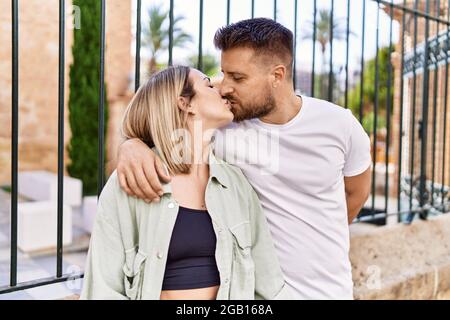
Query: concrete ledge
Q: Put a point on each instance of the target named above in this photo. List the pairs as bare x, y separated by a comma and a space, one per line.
37, 225
401, 261
43, 186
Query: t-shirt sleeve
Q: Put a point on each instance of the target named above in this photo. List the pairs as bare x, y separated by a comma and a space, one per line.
357, 154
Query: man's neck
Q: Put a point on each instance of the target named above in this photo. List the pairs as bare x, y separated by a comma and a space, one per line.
287, 107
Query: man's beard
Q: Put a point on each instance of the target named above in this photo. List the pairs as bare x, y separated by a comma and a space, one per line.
253, 110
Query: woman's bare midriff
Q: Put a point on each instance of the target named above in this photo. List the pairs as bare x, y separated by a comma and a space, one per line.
209, 293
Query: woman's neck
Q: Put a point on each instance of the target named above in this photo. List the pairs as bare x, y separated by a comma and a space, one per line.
189, 189
200, 147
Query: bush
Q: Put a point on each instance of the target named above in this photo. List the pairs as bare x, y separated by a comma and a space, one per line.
84, 97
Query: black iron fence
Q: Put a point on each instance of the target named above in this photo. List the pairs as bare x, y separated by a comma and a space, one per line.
404, 86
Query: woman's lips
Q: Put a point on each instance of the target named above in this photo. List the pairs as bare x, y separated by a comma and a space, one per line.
228, 104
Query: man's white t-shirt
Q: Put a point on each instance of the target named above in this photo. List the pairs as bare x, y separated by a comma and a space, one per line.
298, 170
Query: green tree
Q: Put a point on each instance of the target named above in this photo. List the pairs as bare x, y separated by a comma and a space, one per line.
156, 34
210, 64
369, 120
84, 97
370, 88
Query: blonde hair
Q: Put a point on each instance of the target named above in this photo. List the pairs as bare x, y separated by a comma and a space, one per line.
153, 116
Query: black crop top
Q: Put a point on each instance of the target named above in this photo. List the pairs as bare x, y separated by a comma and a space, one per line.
191, 262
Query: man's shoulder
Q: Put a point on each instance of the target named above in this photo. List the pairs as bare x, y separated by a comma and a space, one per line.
325, 107
328, 115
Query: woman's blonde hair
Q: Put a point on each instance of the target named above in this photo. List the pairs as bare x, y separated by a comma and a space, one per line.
153, 116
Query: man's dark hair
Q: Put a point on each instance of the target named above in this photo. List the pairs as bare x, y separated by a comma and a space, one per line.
265, 36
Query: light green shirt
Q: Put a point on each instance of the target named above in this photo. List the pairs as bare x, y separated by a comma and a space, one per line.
130, 242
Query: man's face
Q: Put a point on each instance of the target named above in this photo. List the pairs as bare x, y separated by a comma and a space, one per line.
246, 83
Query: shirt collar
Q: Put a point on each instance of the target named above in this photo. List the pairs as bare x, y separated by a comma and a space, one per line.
216, 170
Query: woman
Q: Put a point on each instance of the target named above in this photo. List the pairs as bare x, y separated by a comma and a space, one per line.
207, 237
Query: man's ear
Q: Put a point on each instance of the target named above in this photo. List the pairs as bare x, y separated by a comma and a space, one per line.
279, 74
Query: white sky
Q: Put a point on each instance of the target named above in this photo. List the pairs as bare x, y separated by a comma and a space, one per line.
215, 17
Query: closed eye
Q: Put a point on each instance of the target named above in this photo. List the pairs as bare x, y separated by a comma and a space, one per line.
237, 77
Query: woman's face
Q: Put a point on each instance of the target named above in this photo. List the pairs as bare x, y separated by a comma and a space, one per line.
207, 104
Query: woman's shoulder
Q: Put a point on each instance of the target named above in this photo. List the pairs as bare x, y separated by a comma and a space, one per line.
113, 195
116, 207
111, 187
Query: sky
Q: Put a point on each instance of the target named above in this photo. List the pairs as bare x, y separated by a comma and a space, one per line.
215, 17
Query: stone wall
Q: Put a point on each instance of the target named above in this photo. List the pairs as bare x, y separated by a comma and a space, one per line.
38, 74
402, 261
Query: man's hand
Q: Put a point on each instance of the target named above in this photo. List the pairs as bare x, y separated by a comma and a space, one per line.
138, 169
357, 190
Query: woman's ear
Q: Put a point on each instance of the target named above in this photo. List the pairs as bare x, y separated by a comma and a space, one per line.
185, 106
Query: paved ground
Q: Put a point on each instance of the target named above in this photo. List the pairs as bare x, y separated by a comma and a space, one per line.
32, 266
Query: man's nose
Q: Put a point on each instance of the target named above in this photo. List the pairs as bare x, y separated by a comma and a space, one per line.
225, 90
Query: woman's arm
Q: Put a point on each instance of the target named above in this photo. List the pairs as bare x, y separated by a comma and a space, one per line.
104, 276
269, 279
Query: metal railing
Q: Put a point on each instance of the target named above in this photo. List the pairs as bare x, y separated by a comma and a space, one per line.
417, 61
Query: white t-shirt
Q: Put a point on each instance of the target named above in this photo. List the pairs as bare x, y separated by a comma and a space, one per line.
298, 170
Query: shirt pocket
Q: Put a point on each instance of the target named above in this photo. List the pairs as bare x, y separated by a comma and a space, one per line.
133, 270
242, 283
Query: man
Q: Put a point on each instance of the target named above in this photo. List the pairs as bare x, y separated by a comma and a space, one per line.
308, 160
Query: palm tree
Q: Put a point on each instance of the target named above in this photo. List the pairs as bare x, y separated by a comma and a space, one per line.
156, 34
323, 37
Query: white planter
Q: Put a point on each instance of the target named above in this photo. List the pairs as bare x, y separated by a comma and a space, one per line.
43, 186
89, 212
37, 225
